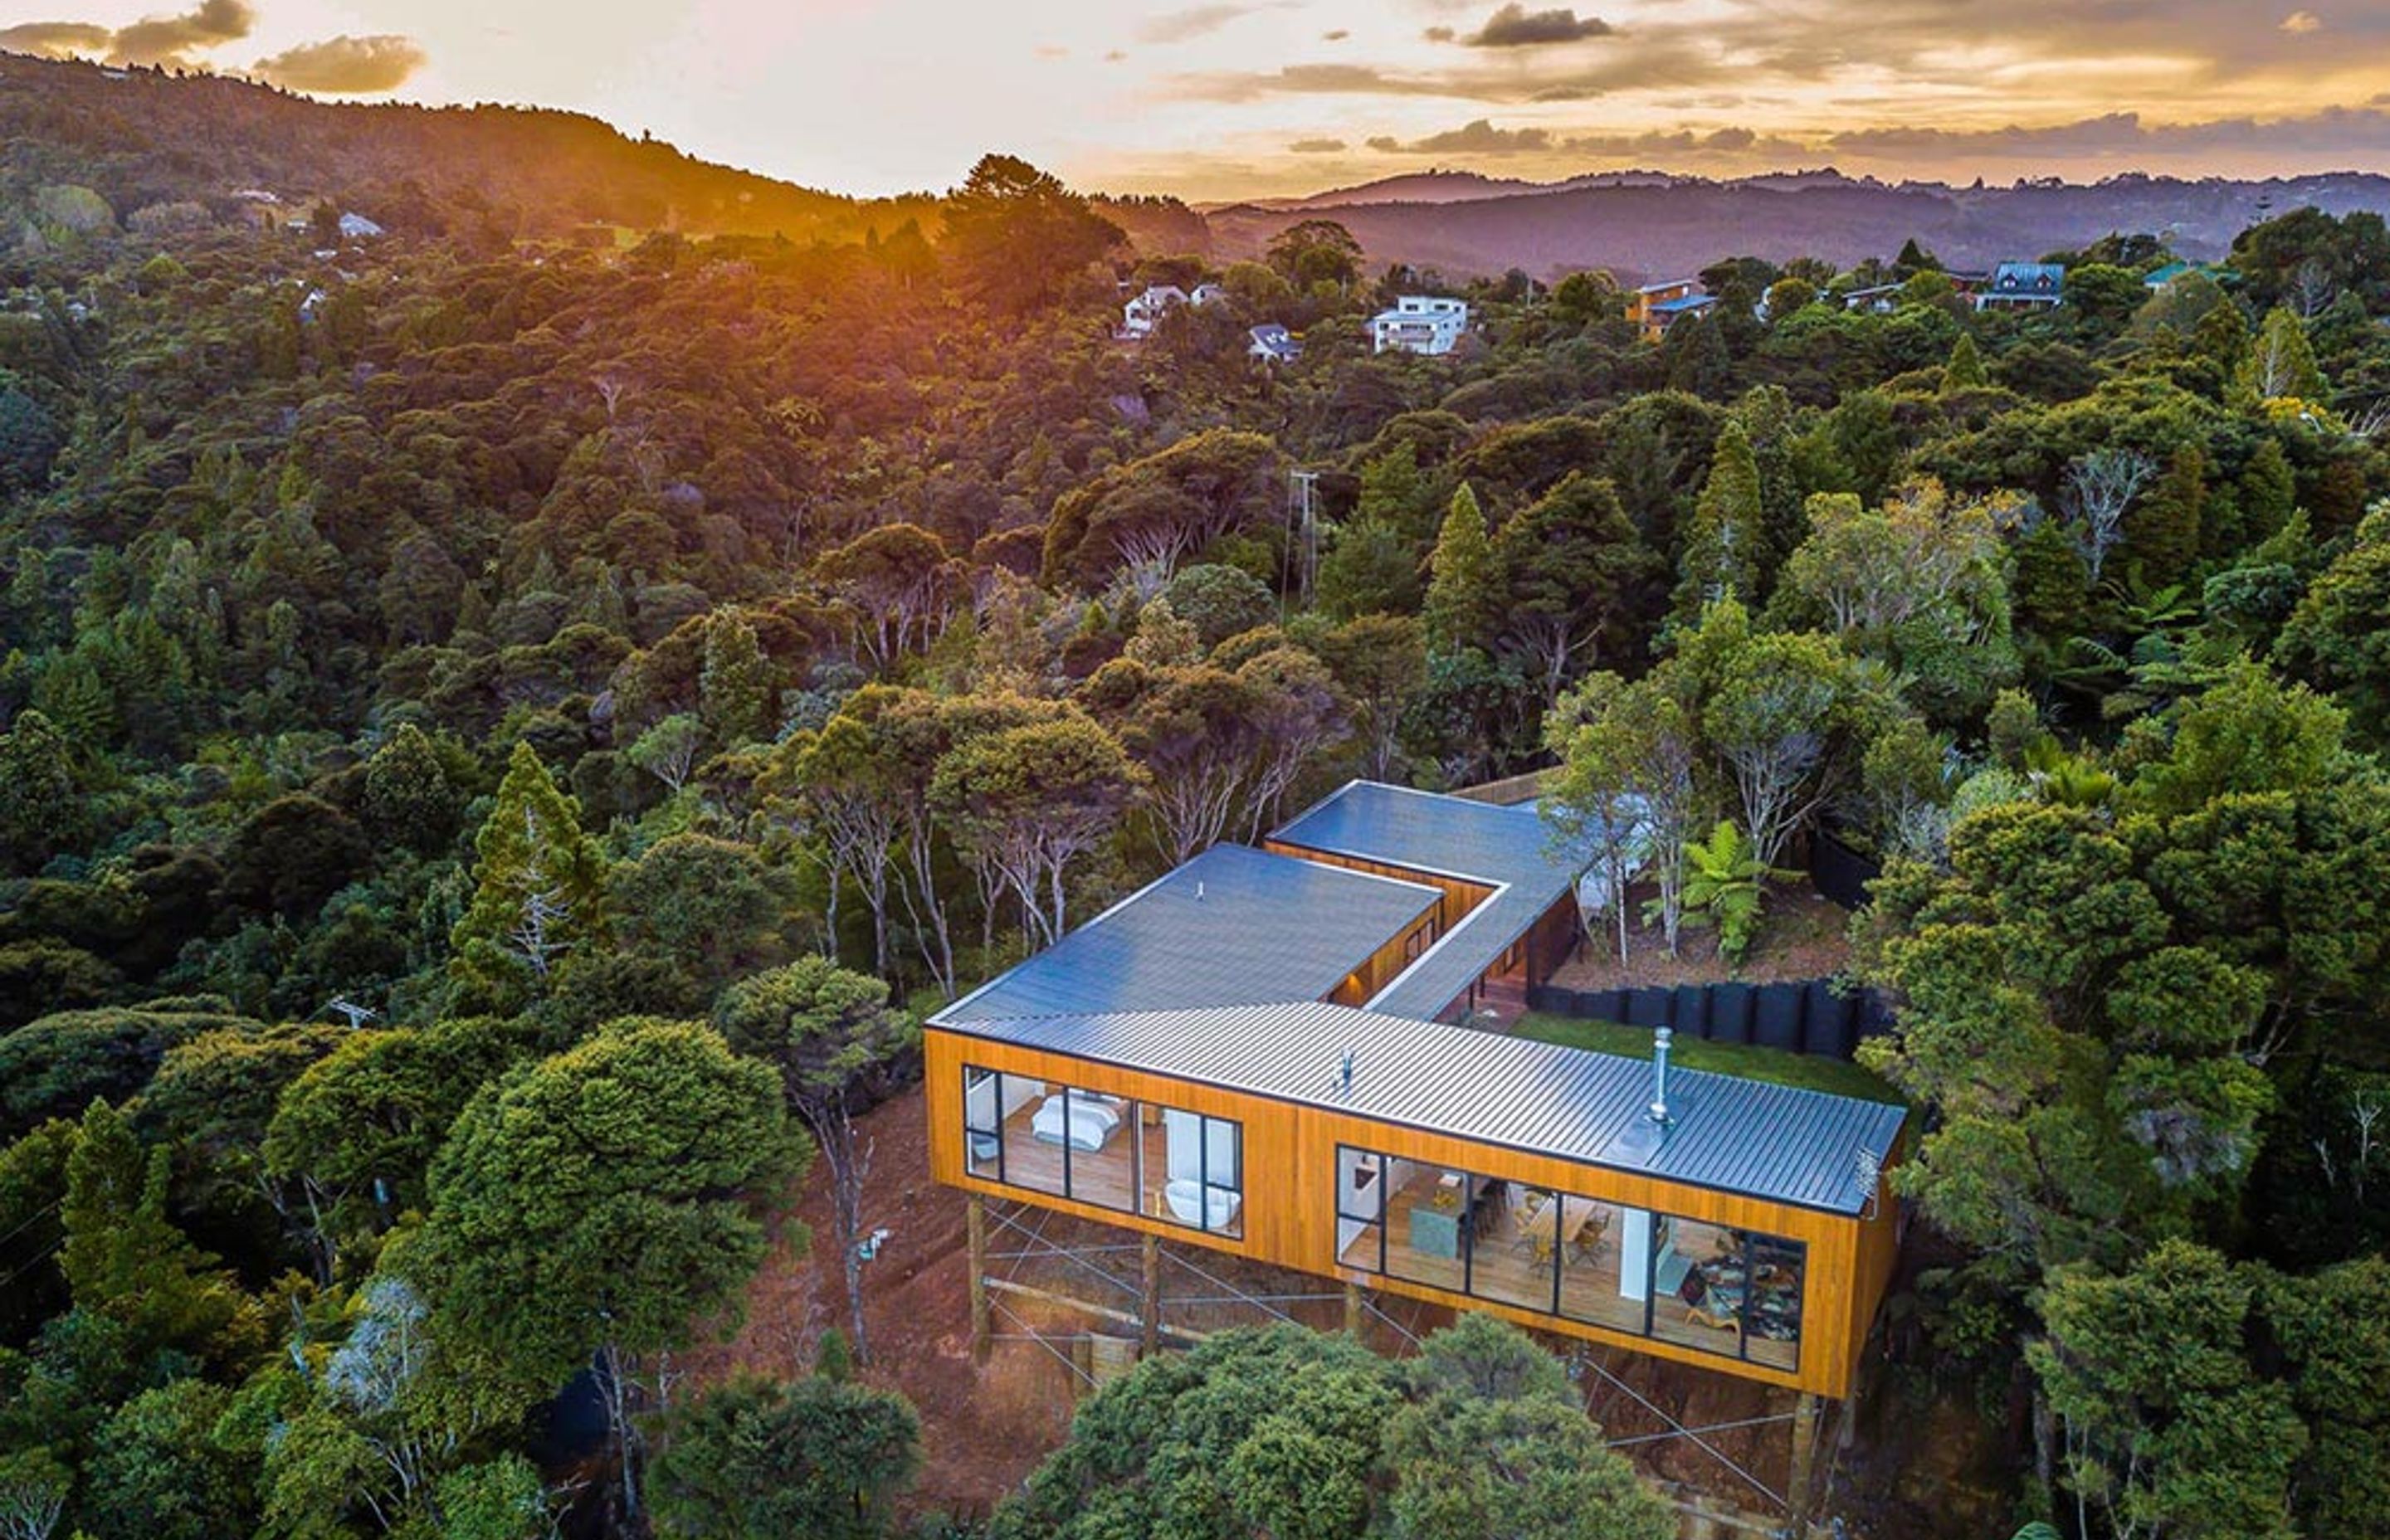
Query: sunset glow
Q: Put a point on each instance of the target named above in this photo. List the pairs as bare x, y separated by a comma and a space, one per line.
1244, 97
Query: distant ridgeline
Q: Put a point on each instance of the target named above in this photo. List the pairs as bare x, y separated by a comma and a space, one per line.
147, 140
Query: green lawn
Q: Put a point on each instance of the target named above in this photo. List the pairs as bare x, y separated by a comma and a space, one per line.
1773, 1065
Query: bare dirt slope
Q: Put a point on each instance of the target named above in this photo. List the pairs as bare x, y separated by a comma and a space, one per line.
985, 1427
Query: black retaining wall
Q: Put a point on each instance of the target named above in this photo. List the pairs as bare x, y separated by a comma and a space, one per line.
1805, 1017
1840, 872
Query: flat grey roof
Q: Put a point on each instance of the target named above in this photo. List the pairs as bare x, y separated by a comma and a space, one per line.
1505, 847
1234, 925
1731, 1134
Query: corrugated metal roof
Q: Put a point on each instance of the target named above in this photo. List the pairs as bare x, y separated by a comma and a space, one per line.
1773, 1142
1234, 925
1506, 847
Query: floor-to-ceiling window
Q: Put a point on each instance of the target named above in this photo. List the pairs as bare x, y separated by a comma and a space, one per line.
1564, 1253
1136, 1157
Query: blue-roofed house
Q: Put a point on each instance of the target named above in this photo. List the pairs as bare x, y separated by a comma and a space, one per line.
1272, 343
1254, 1053
2022, 286
1656, 307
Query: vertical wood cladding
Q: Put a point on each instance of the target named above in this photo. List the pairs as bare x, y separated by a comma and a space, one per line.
1289, 1214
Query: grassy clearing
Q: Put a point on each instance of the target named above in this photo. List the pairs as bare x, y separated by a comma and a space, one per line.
1774, 1065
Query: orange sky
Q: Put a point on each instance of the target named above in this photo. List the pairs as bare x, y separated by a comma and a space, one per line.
1238, 97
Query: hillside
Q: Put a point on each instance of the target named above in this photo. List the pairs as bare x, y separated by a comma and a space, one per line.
497, 732
1467, 225
144, 138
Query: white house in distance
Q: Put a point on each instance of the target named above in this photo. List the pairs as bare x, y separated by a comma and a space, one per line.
2022, 286
1142, 314
1274, 344
1419, 323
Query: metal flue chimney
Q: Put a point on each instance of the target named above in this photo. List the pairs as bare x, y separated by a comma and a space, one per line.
1660, 1076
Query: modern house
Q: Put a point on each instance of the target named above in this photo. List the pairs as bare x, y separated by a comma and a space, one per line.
2022, 286
1272, 343
2158, 278
1206, 293
1257, 1054
1419, 323
1879, 299
1142, 314
1656, 307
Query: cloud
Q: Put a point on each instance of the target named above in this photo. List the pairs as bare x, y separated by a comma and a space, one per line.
345, 66
1192, 22
56, 39
173, 39
1316, 146
152, 40
1339, 35
2123, 136
1514, 26
1306, 79
1730, 144
2300, 22
1476, 138
1439, 35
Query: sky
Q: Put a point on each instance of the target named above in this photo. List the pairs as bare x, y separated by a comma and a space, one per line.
1221, 99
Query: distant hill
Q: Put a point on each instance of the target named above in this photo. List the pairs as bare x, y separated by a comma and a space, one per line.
144, 137
75, 136
1643, 225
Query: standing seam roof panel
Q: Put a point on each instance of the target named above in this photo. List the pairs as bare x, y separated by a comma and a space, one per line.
1773, 1142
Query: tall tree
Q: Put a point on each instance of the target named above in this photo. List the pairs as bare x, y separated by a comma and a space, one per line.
1627, 798
539, 886
1726, 543
42, 810
758, 1460
603, 1202
2280, 363
2169, 1430
737, 696
834, 1038
1028, 803
1017, 235
124, 1261
1460, 578
1565, 576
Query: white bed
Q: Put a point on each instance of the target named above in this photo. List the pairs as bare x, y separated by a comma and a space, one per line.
1093, 1121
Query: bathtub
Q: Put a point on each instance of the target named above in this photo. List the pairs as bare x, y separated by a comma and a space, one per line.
1186, 1200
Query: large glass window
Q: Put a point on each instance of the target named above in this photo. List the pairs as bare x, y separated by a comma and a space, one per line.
1091, 1148
1562, 1254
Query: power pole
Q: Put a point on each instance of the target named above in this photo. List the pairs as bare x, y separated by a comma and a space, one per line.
1306, 553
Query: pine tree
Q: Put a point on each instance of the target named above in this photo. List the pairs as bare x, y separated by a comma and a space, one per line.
124, 1260
2268, 494
2162, 530
1394, 493
2282, 363
1965, 370
2223, 335
1723, 545
539, 889
734, 685
1460, 578
40, 809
